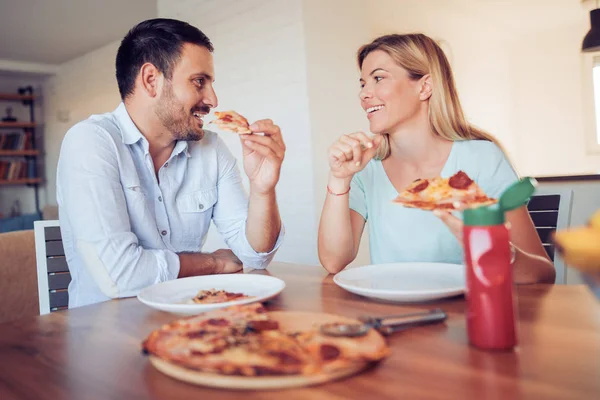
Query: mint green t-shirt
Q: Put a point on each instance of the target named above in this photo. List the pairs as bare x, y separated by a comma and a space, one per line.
400, 234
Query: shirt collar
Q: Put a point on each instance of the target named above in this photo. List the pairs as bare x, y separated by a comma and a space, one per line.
130, 133
181, 146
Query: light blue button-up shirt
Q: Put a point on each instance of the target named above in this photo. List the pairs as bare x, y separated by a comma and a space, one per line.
122, 228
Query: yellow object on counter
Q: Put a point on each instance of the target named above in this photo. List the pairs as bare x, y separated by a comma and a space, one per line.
580, 247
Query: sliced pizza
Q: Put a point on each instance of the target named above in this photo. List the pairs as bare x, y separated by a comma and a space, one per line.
454, 193
212, 296
232, 121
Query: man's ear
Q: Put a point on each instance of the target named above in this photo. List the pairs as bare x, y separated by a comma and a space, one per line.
426, 86
150, 79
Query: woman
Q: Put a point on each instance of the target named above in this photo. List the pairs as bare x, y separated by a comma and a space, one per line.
411, 102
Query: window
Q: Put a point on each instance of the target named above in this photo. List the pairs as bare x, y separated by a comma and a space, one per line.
596, 80
591, 101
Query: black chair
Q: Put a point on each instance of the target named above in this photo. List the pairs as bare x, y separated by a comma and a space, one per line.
53, 272
551, 210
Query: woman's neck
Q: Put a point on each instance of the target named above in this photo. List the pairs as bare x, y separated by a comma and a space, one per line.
416, 145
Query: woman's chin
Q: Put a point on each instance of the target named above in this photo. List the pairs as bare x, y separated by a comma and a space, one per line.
377, 129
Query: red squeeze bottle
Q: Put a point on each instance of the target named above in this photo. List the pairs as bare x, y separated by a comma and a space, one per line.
491, 316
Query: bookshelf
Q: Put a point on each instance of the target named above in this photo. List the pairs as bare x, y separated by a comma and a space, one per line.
25, 181
17, 125
19, 153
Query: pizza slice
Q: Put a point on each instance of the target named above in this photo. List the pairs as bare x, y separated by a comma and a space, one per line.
334, 353
212, 296
454, 193
232, 121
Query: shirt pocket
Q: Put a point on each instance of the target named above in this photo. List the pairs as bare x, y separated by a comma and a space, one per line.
195, 210
199, 201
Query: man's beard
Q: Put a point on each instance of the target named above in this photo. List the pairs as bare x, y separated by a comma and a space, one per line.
175, 118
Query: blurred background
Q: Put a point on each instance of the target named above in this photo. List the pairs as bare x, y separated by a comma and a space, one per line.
518, 64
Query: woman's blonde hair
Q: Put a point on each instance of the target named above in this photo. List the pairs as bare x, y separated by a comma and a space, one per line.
420, 55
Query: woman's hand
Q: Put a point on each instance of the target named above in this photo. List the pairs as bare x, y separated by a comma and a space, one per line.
351, 153
453, 223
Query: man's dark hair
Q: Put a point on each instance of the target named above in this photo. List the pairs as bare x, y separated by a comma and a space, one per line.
157, 41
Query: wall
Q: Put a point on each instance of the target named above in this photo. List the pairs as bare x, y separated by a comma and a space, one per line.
333, 85
548, 103
260, 67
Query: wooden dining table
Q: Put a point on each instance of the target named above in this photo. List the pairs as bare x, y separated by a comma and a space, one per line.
94, 352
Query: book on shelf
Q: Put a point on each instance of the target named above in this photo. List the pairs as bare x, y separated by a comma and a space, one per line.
16, 141
17, 169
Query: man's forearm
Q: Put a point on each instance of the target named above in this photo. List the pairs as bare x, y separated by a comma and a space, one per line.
193, 264
264, 223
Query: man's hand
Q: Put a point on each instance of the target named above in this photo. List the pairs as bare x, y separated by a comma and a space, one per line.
263, 156
226, 262
222, 261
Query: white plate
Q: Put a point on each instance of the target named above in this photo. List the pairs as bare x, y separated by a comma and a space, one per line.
171, 296
404, 282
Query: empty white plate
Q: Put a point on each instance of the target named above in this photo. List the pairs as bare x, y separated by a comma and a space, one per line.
404, 282
172, 296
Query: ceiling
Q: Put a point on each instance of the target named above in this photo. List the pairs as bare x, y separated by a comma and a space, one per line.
56, 31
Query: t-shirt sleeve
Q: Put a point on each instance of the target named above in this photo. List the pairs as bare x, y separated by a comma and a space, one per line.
358, 198
497, 173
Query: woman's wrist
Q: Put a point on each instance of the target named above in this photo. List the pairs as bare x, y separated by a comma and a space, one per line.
338, 185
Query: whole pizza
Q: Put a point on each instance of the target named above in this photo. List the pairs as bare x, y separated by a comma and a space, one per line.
247, 341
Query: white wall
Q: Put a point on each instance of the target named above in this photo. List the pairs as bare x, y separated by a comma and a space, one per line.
333, 85
548, 103
260, 68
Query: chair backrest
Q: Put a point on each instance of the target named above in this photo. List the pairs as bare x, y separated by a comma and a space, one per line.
52, 271
551, 210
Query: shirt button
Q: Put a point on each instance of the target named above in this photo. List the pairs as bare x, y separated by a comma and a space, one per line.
166, 165
160, 198
163, 233
201, 206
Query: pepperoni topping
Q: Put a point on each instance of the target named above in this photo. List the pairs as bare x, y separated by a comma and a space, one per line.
259, 326
460, 180
329, 352
420, 187
226, 118
218, 322
196, 334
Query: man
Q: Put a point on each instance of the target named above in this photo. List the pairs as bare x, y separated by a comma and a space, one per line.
138, 187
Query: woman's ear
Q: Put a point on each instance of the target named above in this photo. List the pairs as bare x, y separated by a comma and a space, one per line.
426, 87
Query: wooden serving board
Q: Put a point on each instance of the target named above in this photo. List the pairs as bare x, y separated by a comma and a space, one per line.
288, 321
